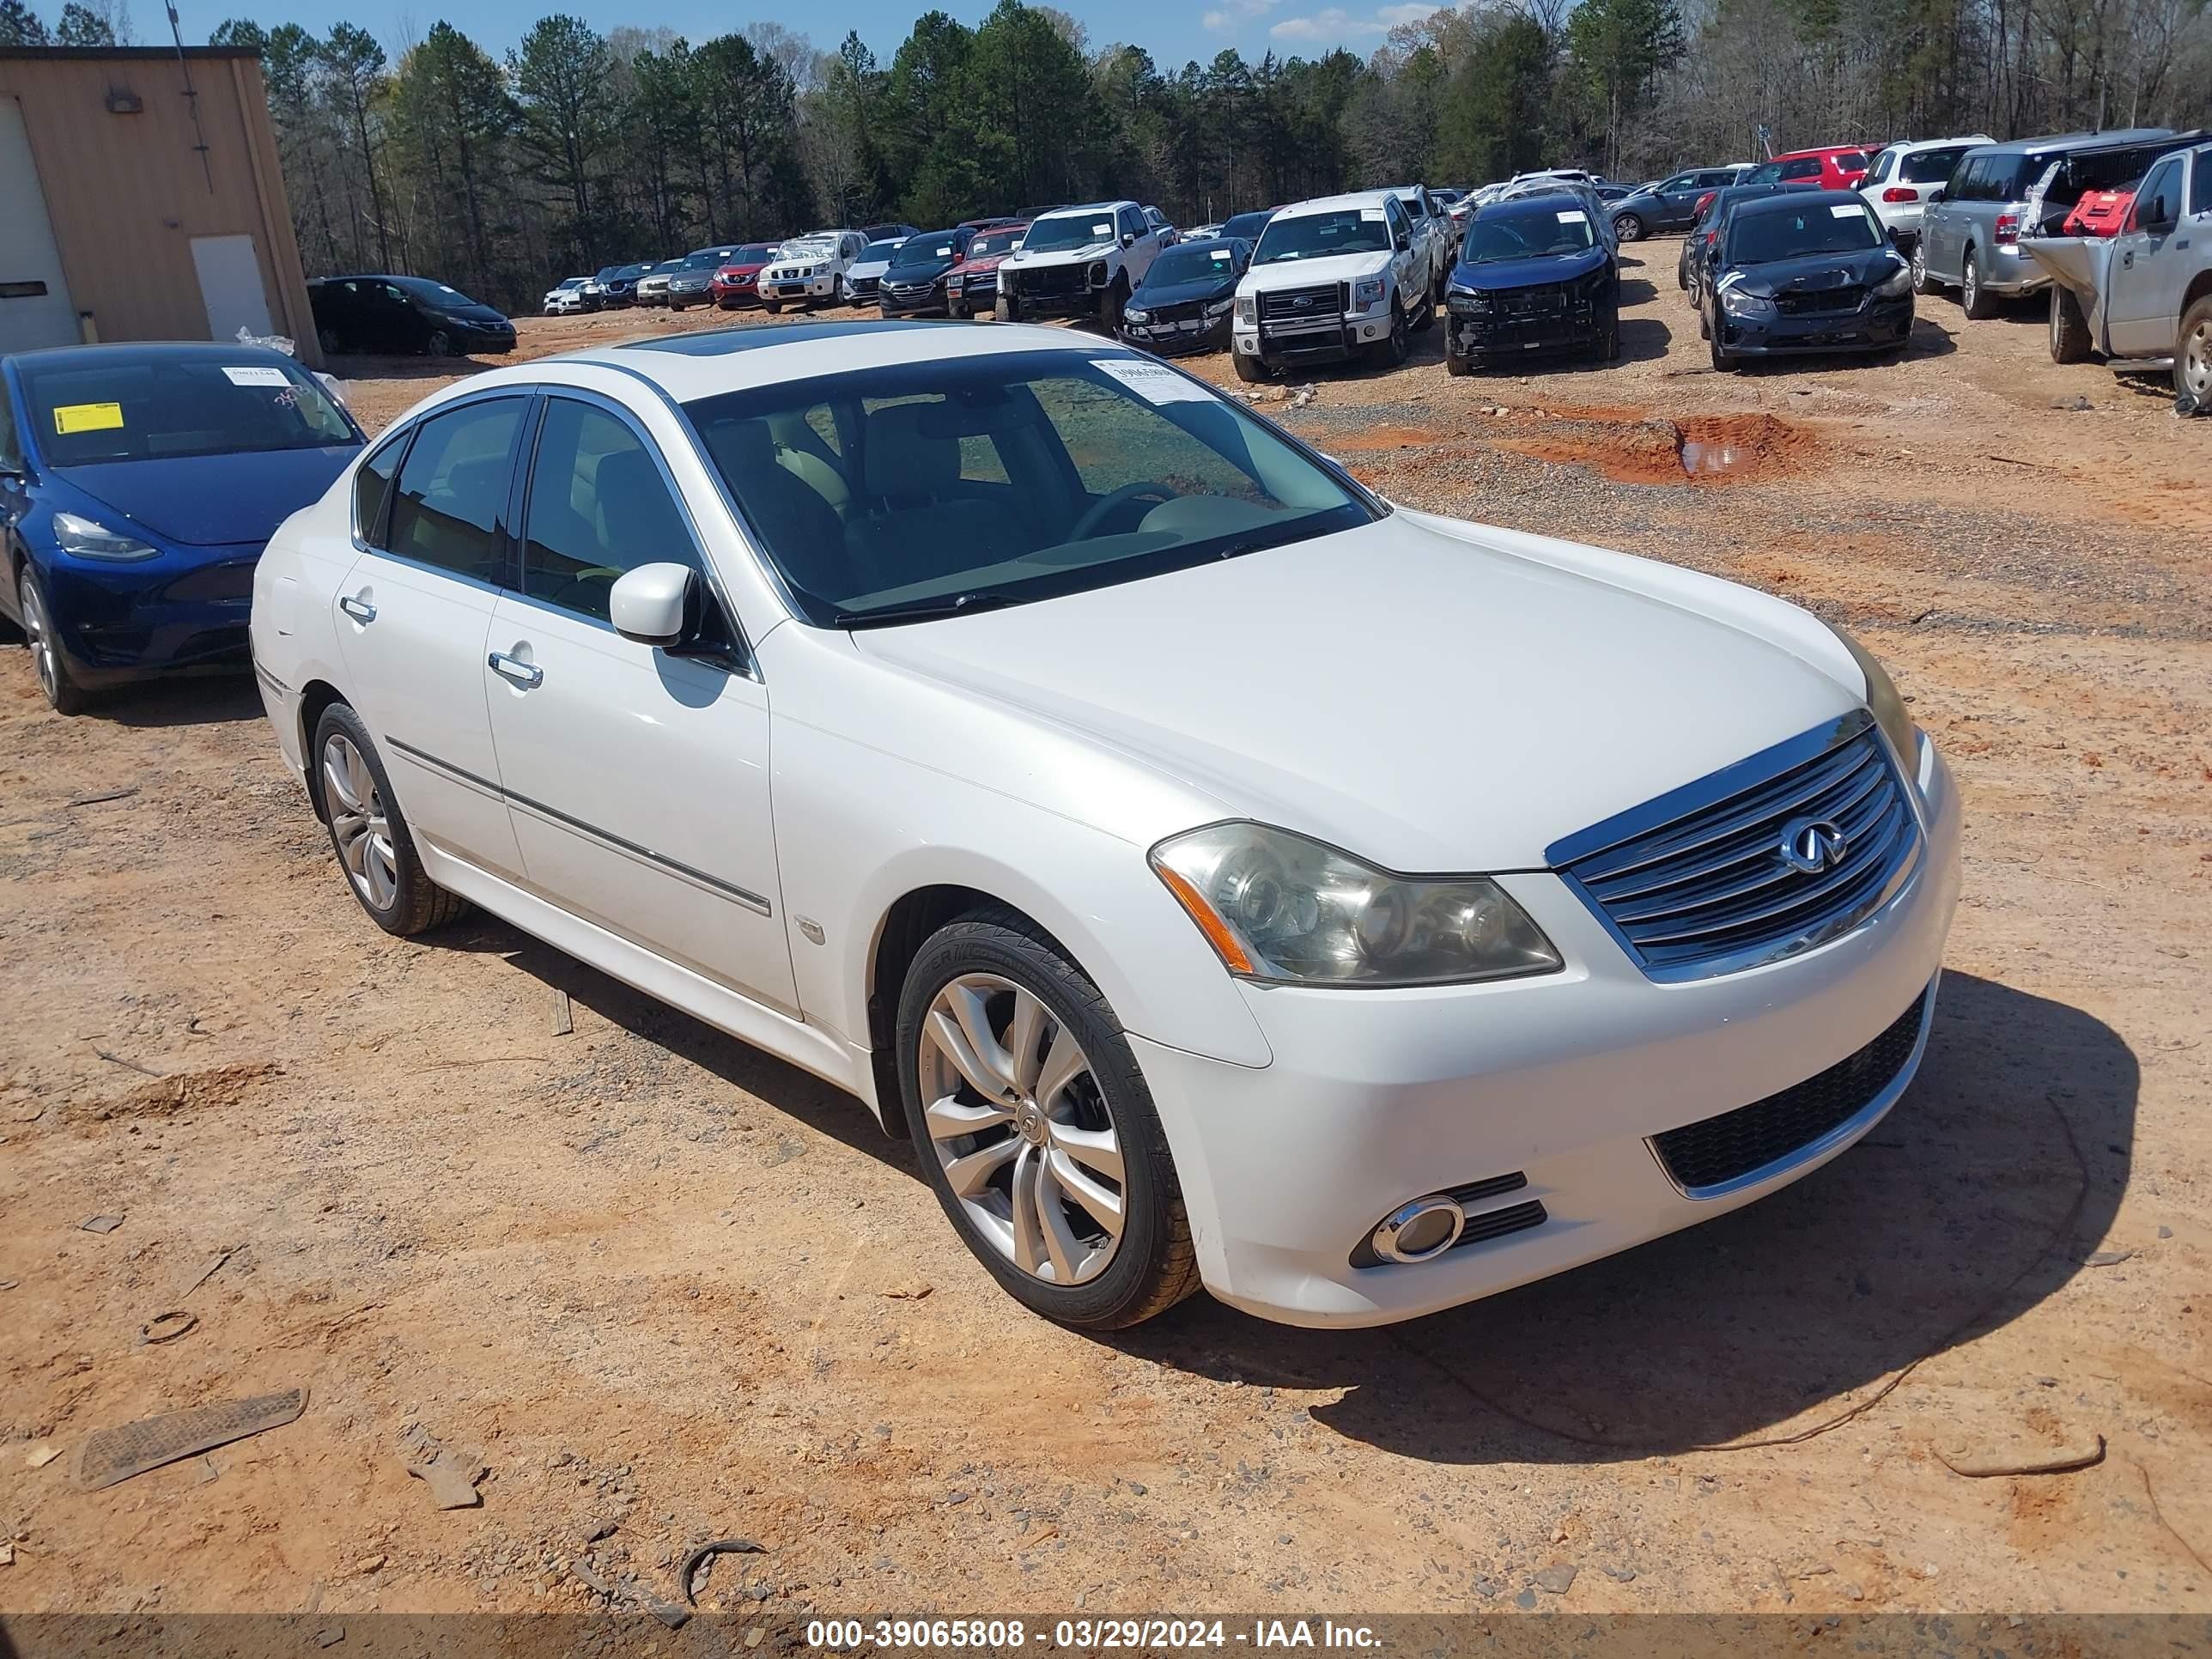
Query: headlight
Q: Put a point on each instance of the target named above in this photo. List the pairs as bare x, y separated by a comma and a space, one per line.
1247, 310
1899, 284
1219, 307
1277, 907
1366, 293
91, 540
1137, 314
1883, 701
1737, 303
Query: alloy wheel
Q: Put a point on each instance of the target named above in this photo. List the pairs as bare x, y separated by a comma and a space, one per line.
39, 635
1970, 283
2197, 359
1022, 1129
359, 822
1920, 267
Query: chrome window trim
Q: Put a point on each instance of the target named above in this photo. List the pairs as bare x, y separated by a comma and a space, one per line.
1842, 1135
1714, 787
646, 855
742, 664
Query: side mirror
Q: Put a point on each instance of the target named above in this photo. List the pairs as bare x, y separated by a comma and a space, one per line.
655, 604
1129, 240
1938, 194
2155, 217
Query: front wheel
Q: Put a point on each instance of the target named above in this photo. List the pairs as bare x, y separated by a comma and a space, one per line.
440, 344
1921, 284
774, 307
1043, 1146
2069, 328
1395, 347
48, 660
2192, 355
1249, 368
1458, 367
368, 832
1627, 228
1724, 362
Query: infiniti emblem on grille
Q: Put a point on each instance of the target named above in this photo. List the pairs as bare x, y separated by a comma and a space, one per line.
1812, 845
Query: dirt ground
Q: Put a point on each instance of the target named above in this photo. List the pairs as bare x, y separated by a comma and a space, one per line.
666, 1289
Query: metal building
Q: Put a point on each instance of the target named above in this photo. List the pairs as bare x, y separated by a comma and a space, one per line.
141, 198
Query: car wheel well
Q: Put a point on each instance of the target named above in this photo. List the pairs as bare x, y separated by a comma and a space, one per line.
2199, 289
314, 697
907, 927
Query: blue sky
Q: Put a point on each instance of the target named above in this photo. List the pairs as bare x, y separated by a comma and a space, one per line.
1173, 32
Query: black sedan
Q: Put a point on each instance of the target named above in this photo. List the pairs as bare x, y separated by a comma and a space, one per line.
1534, 276
1187, 297
403, 314
1698, 246
1805, 271
914, 282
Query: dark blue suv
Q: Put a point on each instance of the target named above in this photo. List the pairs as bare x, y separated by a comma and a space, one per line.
1534, 276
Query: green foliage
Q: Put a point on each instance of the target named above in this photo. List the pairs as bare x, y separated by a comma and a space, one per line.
20, 26
80, 26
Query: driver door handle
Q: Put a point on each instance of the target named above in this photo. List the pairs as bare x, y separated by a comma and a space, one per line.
360, 610
526, 674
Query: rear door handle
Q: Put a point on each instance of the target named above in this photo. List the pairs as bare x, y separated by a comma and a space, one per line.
360, 610
524, 674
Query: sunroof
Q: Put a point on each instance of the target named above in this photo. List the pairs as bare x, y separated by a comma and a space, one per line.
720, 342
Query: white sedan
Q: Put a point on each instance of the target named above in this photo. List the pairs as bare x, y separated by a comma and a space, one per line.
1226, 877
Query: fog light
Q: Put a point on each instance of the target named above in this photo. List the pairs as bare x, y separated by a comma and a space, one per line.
1416, 1231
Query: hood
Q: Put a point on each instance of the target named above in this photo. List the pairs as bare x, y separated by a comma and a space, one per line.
1548, 698
1174, 294
869, 267
1305, 273
913, 275
982, 262
1525, 273
1023, 258
1816, 272
204, 501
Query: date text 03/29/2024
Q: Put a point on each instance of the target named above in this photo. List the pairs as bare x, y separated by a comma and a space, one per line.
1087, 1635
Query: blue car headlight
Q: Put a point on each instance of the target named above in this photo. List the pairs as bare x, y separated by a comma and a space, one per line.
89, 539
1898, 284
1737, 303
1136, 315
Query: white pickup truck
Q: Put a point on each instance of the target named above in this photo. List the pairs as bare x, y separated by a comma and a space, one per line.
1080, 262
1332, 279
2147, 292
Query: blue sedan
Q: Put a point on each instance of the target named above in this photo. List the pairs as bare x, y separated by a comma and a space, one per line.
138, 484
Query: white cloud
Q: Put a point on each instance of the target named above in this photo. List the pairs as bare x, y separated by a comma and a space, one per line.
1224, 19
1335, 24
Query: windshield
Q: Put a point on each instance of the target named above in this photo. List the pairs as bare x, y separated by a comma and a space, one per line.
1070, 230
879, 253
753, 254
1798, 232
436, 293
158, 409
808, 247
927, 250
1247, 226
1318, 235
706, 261
905, 490
1526, 235
1192, 264
992, 243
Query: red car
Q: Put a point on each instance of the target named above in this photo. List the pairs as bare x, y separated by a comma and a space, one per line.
1828, 167
972, 286
735, 278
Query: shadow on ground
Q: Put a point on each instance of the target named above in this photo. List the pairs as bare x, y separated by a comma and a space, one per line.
212, 700
1905, 1245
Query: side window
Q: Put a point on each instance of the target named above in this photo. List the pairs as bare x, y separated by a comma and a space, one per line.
1808, 168
1395, 210
1879, 171
1133, 222
598, 507
11, 458
2164, 179
1680, 181
371, 484
1967, 181
2200, 187
451, 493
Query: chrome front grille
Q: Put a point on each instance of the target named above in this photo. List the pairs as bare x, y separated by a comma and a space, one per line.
1773, 856
1322, 304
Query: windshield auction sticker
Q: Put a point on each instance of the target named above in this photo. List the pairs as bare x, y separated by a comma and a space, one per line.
255, 376
1156, 383
86, 417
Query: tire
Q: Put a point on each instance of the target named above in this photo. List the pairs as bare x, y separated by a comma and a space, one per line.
1681, 276
1973, 299
1704, 328
1249, 368
440, 344
331, 344
1428, 316
1002, 310
1115, 302
1921, 282
2070, 327
674, 309
2192, 353
1724, 362
1393, 348
991, 966
397, 897
1456, 366
49, 661
1609, 349
774, 307
1627, 228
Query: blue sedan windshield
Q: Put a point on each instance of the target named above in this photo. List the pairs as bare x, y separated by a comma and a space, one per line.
154, 409
1527, 235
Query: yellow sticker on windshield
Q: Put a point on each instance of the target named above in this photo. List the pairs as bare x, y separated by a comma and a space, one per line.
86, 417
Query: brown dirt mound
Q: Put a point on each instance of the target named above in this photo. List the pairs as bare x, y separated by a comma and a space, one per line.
217, 1089
1701, 449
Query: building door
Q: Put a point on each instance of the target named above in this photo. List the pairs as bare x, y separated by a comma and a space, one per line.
34, 302
230, 286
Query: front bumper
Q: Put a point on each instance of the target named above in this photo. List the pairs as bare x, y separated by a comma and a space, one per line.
1335, 342
974, 293
786, 290
1479, 335
119, 621
732, 294
1172, 339
929, 303
1882, 326
1376, 1097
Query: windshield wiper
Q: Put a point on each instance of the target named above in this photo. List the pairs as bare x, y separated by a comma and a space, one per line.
955, 604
